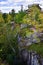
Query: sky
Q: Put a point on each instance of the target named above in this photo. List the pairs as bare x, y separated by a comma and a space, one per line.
7, 5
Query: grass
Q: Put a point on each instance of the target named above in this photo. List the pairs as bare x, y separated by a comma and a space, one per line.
36, 47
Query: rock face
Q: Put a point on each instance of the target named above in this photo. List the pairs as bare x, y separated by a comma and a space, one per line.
33, 38
30, 58
40, 35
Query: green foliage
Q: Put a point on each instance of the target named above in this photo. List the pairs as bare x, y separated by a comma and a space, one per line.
12, 13
34, 17
36, 47
19, 17
8, 42
1, 18
5, 17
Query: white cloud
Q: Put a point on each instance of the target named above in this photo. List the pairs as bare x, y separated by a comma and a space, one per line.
13, 4
8, 9
41, 4
14, 1
3, 2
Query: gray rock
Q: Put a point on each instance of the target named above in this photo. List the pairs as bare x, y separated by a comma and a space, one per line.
30, 58
23, 26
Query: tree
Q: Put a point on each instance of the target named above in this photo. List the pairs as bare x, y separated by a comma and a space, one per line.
5, 17
1, 18
12, 13
8, 42
19, 16
9, 18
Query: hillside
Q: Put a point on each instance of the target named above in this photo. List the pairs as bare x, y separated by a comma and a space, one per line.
22, 30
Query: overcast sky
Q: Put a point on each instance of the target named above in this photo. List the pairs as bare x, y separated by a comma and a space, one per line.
8, 5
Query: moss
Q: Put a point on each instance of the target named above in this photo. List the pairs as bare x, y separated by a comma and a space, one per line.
37, 47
